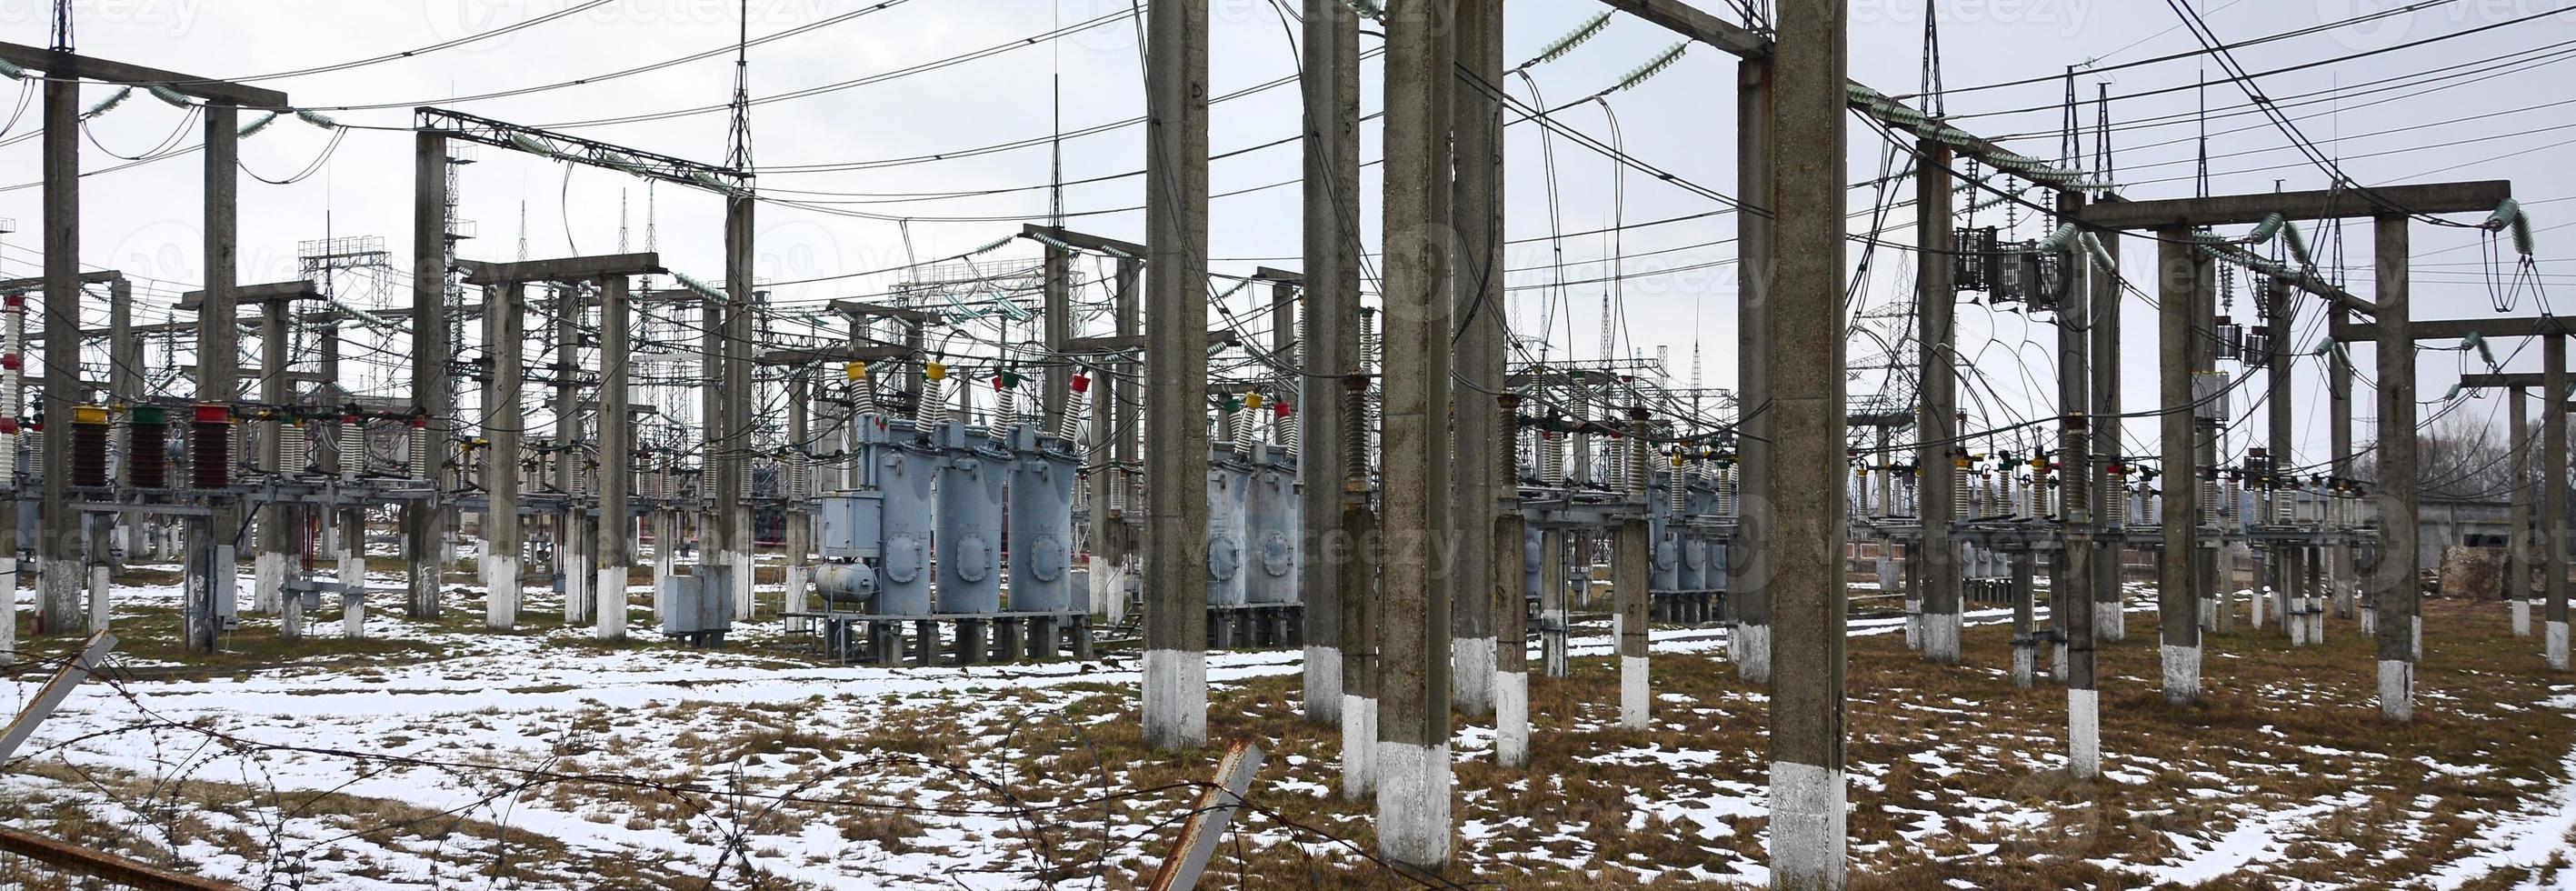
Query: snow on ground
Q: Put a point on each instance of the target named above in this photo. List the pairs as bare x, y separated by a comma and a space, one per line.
683, 763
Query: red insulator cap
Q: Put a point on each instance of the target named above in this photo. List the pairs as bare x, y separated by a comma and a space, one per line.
214, 414
1082, 383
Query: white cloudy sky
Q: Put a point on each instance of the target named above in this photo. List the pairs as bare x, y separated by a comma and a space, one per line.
2498, 117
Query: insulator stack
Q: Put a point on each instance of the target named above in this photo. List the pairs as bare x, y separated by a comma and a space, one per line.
1678, 489
2208, 501
1006, 410
1551, 459
36, 453
1369, 344
147, 431
210, 447
1959, 489
1726, 505
418, 450
800, 476
290, 447
2076, 499
1356, 424
13, 338
931, 409
2235, 496
1117, 489
1245, 419
1617, 478
1078, 392
1998, 492
1291, 437
1640, 470
353, 446
89, 445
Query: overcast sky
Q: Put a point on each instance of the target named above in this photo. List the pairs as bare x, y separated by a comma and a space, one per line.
2499, 116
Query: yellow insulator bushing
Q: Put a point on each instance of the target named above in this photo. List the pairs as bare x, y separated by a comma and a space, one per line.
935, 371
854, 370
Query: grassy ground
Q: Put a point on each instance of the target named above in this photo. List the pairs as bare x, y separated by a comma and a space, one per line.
1957, 777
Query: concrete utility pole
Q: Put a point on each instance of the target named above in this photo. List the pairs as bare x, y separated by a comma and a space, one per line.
2178, 279
1331, 87
733, 517
1631, 547
58, 538
570, 558
2110, 622
2518, 549
431, 352
2395, 587
1806, 523
800, 533
504, 424
1176, 438
1413, 769
1483, 449
1511, 641
2553, 498
1937, 455
2284, 559
218, 365
281, 525
1748, 553
2339, 373
2072, 600
616, 459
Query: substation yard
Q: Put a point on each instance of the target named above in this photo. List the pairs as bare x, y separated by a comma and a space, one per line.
439, 755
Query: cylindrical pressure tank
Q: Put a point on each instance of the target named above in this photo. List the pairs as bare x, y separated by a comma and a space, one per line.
846, 585
971, 477
1270, 527
1041, 521
1229, 482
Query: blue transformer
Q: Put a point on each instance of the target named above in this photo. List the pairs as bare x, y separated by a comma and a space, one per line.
902, 477
971, 478
1228, 485
1041, 522
1270, 526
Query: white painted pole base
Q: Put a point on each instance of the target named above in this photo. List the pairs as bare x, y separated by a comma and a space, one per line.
799, 579
9, 598
1753, 653
1511, 718
1471, 667
2417, 639
2298, 625
1807, 826
1324, 684
1359, 747
1413, 794
612, 603
1941, 638
227, 580
576, 589
1175, 699
2057, 662
2521, 617
2084, 733
2397, 689
268, 581
353, 616
2262, 605
2110, 622
290, 616
744, 603
2209, 613
2369, 622
2555, 646
501, 603
2182, 674
2025, 669
1116, 592
1097, 577
1914, 624
98, 603
1636, 702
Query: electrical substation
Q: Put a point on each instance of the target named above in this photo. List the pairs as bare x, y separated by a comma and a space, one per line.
2035, 521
